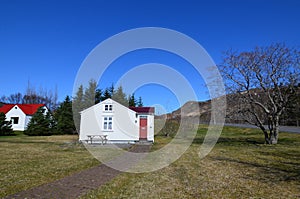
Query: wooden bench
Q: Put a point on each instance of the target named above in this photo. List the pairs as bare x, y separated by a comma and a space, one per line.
103, 138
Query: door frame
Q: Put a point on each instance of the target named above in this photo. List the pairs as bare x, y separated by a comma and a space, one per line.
143, 135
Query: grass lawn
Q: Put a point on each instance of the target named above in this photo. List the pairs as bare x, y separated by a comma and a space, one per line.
239, 166
30, 161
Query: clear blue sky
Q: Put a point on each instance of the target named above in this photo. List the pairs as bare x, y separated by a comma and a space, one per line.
45, 42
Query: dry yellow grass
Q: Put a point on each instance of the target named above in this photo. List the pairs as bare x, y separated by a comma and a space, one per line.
31, 161
238, 167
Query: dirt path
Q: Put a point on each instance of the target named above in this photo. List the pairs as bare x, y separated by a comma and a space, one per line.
77, 184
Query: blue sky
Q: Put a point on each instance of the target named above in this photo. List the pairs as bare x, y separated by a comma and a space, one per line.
45, 42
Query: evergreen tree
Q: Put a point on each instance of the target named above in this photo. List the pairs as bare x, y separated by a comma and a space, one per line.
52, 122
77, 106
106, 94
111, 90
98, 96
132, 100
40, 124
64, 117
90, 94
5, 126
140, 102
84, 98
120, 96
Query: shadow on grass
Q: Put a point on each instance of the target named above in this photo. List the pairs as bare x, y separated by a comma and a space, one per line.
271, 163
30, 141
232, 141
24, 142
285, 171
292, 155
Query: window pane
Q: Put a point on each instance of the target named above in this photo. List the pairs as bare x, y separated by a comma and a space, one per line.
14, 120
107, 123
110, 107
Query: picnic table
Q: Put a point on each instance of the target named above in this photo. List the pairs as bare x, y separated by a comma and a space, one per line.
103, 138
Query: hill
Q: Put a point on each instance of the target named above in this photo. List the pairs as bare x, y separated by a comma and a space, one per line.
203, 110
191, 109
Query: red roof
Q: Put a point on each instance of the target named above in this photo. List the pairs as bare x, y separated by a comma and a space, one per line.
143, 109
6, 107
28, 109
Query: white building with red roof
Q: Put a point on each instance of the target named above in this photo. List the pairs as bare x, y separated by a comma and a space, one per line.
20, 114
117, 123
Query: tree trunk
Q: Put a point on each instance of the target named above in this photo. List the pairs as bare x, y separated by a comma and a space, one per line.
273, 138
267, 140
274, 131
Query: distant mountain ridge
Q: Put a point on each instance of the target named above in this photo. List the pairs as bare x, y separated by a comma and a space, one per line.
191, 109
202, 110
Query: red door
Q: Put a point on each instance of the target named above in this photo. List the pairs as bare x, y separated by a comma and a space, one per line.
143, 128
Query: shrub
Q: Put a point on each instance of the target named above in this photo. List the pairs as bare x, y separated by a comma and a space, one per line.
170, 128
40, 124
5, 126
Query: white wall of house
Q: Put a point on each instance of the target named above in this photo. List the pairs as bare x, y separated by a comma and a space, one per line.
150, 127
27, 120
23, 119
16, 112
125, 122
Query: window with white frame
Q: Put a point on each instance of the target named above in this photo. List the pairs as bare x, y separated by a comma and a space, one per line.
108, 107
107, 123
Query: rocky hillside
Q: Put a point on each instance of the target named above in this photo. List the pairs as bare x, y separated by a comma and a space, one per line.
191, 109
203, 111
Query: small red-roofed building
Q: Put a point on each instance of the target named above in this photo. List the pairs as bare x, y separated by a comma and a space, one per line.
20, 114
117, 123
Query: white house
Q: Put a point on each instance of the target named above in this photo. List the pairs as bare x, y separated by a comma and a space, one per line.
117, 122
20, 114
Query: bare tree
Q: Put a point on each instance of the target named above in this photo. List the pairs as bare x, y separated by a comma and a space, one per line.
263, 81
15, 98
42, 96
12, 99
3, 99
